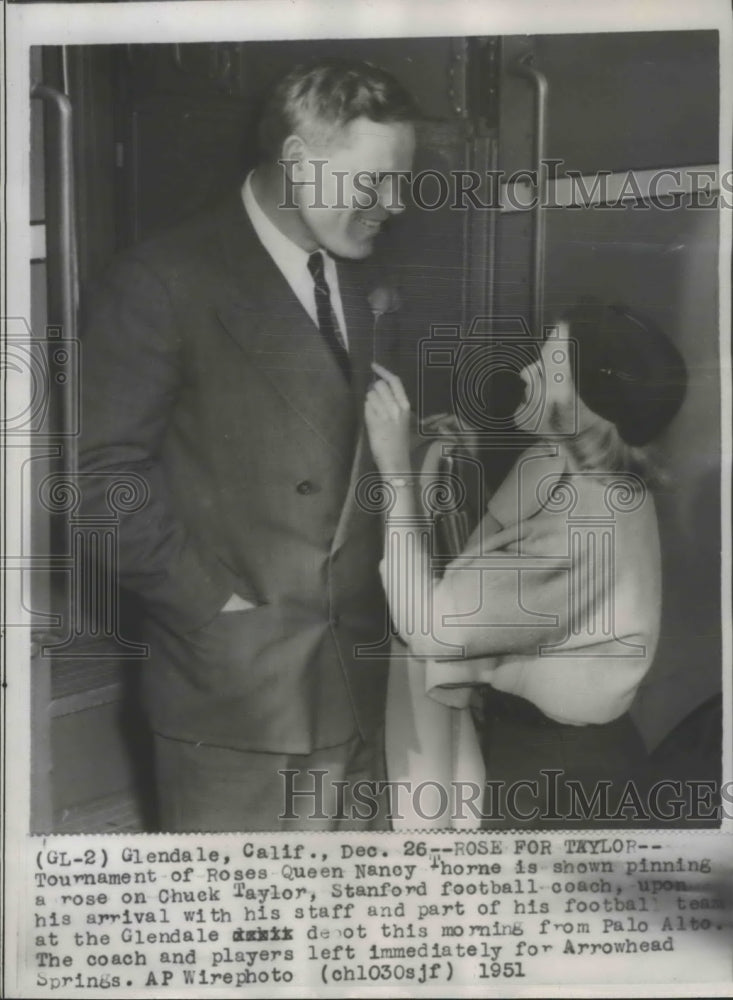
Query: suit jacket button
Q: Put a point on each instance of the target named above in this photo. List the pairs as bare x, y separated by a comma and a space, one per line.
304, 487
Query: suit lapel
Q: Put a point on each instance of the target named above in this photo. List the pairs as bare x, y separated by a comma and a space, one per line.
261, 313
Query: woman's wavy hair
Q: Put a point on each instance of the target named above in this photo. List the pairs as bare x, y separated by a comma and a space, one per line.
598, 447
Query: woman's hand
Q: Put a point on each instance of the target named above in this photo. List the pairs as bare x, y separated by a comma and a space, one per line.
387, 418
448, 425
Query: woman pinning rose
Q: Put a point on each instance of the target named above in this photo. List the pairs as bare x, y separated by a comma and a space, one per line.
509, 691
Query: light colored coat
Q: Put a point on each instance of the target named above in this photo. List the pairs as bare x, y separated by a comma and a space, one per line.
555, 598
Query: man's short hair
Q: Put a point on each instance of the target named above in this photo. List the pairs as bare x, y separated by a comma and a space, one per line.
317, 99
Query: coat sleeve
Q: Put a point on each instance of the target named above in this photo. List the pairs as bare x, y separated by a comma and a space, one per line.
492, 605
593, 688
518, 589
594, 678
131, 374
494, 599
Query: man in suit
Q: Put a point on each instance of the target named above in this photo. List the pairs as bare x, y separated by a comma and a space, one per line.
225, 365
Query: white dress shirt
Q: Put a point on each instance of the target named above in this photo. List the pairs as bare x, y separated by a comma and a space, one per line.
292, 261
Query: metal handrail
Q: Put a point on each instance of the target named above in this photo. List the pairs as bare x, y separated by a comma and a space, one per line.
524, 68
68, 247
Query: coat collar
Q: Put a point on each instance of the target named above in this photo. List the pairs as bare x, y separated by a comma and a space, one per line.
524, 491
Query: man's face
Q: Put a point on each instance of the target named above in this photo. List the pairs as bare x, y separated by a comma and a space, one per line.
345, 199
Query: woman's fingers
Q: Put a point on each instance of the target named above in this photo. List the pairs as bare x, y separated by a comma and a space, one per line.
377, 405
375, 414
438, 422
387, 398
383, 399
383, 372
394, 383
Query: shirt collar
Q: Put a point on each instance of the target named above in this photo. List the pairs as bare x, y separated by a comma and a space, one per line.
281, 248
292, 261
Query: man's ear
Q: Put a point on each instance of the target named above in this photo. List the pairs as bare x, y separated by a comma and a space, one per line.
294, 157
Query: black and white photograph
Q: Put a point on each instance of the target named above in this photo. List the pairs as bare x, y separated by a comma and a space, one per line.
372, 457
255, 277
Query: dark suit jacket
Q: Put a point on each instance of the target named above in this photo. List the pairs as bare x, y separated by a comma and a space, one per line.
204, 376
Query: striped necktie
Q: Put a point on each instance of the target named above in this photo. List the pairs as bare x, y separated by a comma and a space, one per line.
326, 322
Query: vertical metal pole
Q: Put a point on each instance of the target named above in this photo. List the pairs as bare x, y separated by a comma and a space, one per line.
525, 68
69, 267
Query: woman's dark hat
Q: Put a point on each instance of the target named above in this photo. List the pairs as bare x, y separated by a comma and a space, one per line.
626, 369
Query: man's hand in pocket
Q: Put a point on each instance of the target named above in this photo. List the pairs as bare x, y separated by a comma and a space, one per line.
237, 603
